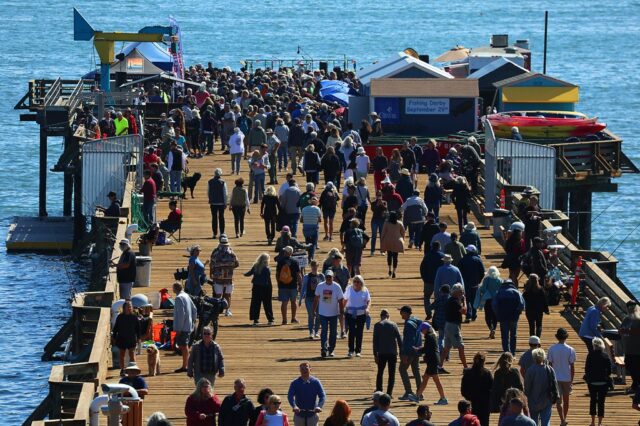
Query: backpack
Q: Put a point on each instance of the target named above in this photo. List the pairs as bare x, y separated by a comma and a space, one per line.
356, 238
526, 263
304, 200
285, 276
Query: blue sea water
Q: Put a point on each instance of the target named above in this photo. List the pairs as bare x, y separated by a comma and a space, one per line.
592, 45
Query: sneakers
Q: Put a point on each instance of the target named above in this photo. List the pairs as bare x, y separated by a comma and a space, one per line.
343, 335
284, 322
310, 336
350, 355
408, 397
442, 401
441, 370
271, 322
413, 398
228, 313
492, 334
180, 370
295, 321
255, 323
323, 354
358, 354
331, 354
316, 335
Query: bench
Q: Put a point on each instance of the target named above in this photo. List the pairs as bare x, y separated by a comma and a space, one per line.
617, 359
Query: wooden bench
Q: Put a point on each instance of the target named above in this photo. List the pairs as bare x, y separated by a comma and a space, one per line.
617, 359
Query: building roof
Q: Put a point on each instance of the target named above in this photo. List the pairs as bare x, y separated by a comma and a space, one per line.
530, 76
424, 87
396, 64
494, 65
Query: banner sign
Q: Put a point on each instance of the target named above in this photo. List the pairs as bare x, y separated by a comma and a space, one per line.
135, 64
427, 106
388, 109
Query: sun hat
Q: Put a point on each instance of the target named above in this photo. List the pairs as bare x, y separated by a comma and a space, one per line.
132, 366
405, 172
447, 258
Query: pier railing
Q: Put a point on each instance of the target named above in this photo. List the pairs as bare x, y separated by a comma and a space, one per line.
72, 387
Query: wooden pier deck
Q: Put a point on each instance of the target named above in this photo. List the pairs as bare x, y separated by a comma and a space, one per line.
269, 356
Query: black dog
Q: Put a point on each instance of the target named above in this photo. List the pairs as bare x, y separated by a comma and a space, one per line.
190, 182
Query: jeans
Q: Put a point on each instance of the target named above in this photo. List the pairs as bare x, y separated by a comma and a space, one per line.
490, 316
310, 233
535, 323
415, 230
283, 157
273, 178
427, 289
260, 295
147, 211
235, 163
330, 328
414, 363
543, 415
258, 181
313, 322
462, 218
435, 208
383, 361
293, 219
270, 227
175, 180
376, 228
355, 324
295, 154
508, 331
470, 296
208, 136
217, 218
238, 218
597, 394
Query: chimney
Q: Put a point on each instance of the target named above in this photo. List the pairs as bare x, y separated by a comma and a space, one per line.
522, 44
499, 40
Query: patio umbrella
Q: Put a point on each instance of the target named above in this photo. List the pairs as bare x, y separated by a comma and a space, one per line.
455, 54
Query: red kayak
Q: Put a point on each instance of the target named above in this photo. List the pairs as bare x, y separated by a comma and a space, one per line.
544, 124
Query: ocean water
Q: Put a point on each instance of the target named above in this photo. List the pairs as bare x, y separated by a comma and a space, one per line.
593, 46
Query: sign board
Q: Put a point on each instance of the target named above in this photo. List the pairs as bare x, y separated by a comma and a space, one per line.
135, 64
427, 106
388, 109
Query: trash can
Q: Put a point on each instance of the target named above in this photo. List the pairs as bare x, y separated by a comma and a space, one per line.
500, 218
143, 271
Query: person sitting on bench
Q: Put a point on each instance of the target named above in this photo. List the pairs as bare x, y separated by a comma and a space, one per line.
174, 221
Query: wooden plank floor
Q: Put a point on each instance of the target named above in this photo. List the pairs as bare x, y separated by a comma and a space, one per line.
269, 356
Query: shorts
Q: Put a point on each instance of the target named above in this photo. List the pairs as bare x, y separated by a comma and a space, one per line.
223, 288
182, 338
452, 336
286, 294
125, 344
564, 388
432, 365
328, 214
353, 256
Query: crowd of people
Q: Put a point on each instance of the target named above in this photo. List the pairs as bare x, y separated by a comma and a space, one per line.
274, 122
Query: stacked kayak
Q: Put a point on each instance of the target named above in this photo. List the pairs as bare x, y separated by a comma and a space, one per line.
544, 124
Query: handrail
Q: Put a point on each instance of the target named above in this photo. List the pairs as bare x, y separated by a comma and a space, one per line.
53, 93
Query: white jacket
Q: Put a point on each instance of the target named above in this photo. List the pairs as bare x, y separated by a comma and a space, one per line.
236, 143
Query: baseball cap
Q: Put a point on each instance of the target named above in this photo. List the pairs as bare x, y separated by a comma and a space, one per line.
534, 340
376, 395
328, 273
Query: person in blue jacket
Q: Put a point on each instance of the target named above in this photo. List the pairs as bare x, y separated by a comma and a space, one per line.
431, 262
447, 274
484, 298
508, 304
590, 327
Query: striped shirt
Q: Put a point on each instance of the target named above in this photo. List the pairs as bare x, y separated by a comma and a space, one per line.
311, 215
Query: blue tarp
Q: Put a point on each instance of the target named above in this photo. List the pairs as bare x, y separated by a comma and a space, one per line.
156, 53
336, 91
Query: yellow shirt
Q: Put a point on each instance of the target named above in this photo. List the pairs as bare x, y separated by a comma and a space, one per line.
122, 126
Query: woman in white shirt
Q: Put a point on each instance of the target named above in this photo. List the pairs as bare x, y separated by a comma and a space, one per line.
362, 164
236, 149
358, 301
273, 416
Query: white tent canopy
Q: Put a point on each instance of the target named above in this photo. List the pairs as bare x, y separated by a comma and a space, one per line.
396, 64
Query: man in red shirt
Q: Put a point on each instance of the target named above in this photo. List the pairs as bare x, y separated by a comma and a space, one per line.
150, 157
149, 197
172, 223
133, 126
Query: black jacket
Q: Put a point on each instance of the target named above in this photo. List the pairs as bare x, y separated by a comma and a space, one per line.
235, 413
597, 367
476, 386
